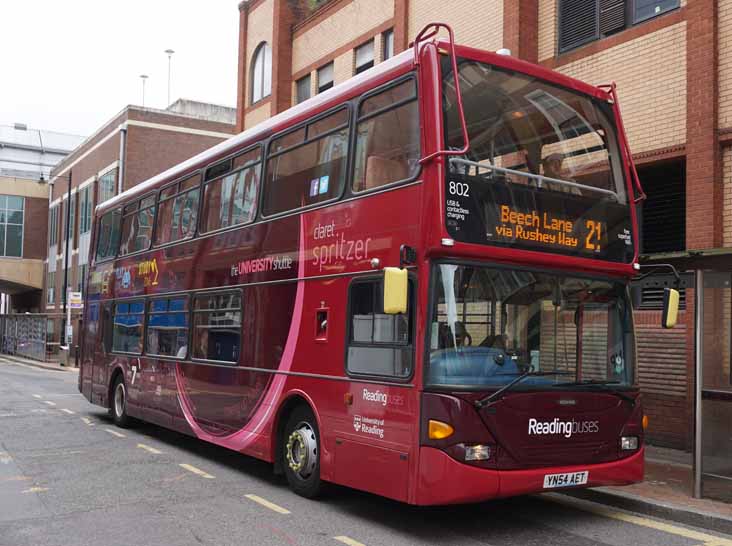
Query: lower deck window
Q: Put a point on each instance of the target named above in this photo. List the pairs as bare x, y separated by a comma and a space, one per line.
167, 327
127, 333
217, 327
379, 344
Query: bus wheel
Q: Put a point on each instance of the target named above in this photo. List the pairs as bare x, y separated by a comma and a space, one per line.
301, 451
118, 405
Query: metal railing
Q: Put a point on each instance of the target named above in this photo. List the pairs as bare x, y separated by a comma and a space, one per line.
27, 335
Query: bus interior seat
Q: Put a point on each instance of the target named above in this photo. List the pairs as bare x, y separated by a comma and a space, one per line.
381, 170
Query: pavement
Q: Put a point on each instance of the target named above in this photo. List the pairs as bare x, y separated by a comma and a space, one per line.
68, 476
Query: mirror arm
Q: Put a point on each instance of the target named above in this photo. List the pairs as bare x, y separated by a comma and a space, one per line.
658, 266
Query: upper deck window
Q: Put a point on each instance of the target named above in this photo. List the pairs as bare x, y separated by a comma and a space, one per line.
388, 137
583, 21
544, 169
307, 166
109, 234
178, 212
231, 200
137, 226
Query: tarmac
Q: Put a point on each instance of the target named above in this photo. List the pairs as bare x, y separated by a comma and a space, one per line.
666, 492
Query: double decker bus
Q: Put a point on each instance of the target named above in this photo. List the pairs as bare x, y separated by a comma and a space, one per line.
413, 284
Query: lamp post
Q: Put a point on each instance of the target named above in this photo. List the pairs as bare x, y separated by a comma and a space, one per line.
143, 77
169, 52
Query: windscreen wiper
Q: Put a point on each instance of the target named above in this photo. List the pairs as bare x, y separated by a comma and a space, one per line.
528, 373
602, 385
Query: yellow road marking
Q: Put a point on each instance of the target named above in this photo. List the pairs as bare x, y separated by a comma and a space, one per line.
150, 449
67, 411
707, 540
264, 502
87, 421
15, 479
198, 471
348, 540
5, 458
49, 402
35, 490
115, 433
37, 396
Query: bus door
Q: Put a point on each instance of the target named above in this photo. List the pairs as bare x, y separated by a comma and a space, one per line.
98, 346
374, 444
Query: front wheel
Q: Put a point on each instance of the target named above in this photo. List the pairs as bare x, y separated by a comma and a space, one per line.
118, 404
301, 453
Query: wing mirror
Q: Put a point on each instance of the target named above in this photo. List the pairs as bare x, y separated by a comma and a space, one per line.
395, 290
670, 307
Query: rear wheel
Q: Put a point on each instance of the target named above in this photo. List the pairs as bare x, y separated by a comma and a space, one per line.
118, 404
301, 453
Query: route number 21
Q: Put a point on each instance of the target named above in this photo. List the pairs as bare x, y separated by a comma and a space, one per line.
594, 235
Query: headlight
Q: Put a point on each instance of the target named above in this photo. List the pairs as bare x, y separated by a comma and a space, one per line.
477, 453
628, 443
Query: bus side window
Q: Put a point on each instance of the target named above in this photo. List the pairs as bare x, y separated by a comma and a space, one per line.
127, 332
217, 327
378, 344
178, 211
308, 173
231, 200
109, 233
387, 138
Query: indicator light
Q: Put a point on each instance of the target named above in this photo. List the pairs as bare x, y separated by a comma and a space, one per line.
644, 422
629, 443
438, 430
477, 453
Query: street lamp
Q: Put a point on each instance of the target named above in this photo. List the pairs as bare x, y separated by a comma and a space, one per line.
143, 77
169, 52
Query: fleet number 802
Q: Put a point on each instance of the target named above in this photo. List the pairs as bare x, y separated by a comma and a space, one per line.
459, 188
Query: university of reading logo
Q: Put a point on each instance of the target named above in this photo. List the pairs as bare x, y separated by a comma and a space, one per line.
565, 428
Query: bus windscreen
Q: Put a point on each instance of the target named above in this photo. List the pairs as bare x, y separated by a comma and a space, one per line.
543, 172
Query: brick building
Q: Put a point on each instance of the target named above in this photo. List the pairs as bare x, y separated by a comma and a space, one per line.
672, 61
133, 146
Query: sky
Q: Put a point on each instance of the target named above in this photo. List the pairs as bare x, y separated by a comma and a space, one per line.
71, 65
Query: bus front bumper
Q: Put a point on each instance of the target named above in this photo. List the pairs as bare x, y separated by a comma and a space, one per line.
443, 480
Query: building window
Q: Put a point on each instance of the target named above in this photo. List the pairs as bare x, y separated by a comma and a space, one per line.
81, 281
11, 225
127, 332
107, 186
379, 344
303, 89
178, 214
261, 76
364, 56
51, 287
53, 225
85, 210
583, 21
307, 166
645, 9
325, 77
387, 137
167, 327
70, 215
387, 47
217, 327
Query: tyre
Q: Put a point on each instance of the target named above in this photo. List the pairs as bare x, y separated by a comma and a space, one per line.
301, 453
118, 403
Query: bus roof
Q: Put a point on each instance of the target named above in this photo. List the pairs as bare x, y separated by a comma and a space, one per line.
381, 73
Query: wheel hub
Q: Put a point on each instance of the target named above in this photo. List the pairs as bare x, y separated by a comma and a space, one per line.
302, 451
119, 400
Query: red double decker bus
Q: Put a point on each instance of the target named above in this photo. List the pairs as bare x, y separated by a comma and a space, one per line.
414, 284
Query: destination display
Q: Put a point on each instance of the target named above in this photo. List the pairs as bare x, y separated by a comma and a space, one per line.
499, 212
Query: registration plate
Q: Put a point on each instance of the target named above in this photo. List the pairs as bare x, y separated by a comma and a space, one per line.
568, 479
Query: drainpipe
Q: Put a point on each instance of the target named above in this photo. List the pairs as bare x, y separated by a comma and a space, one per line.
122, 148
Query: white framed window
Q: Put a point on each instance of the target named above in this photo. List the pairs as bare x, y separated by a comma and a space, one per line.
261, 72
365, 56
325, 77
